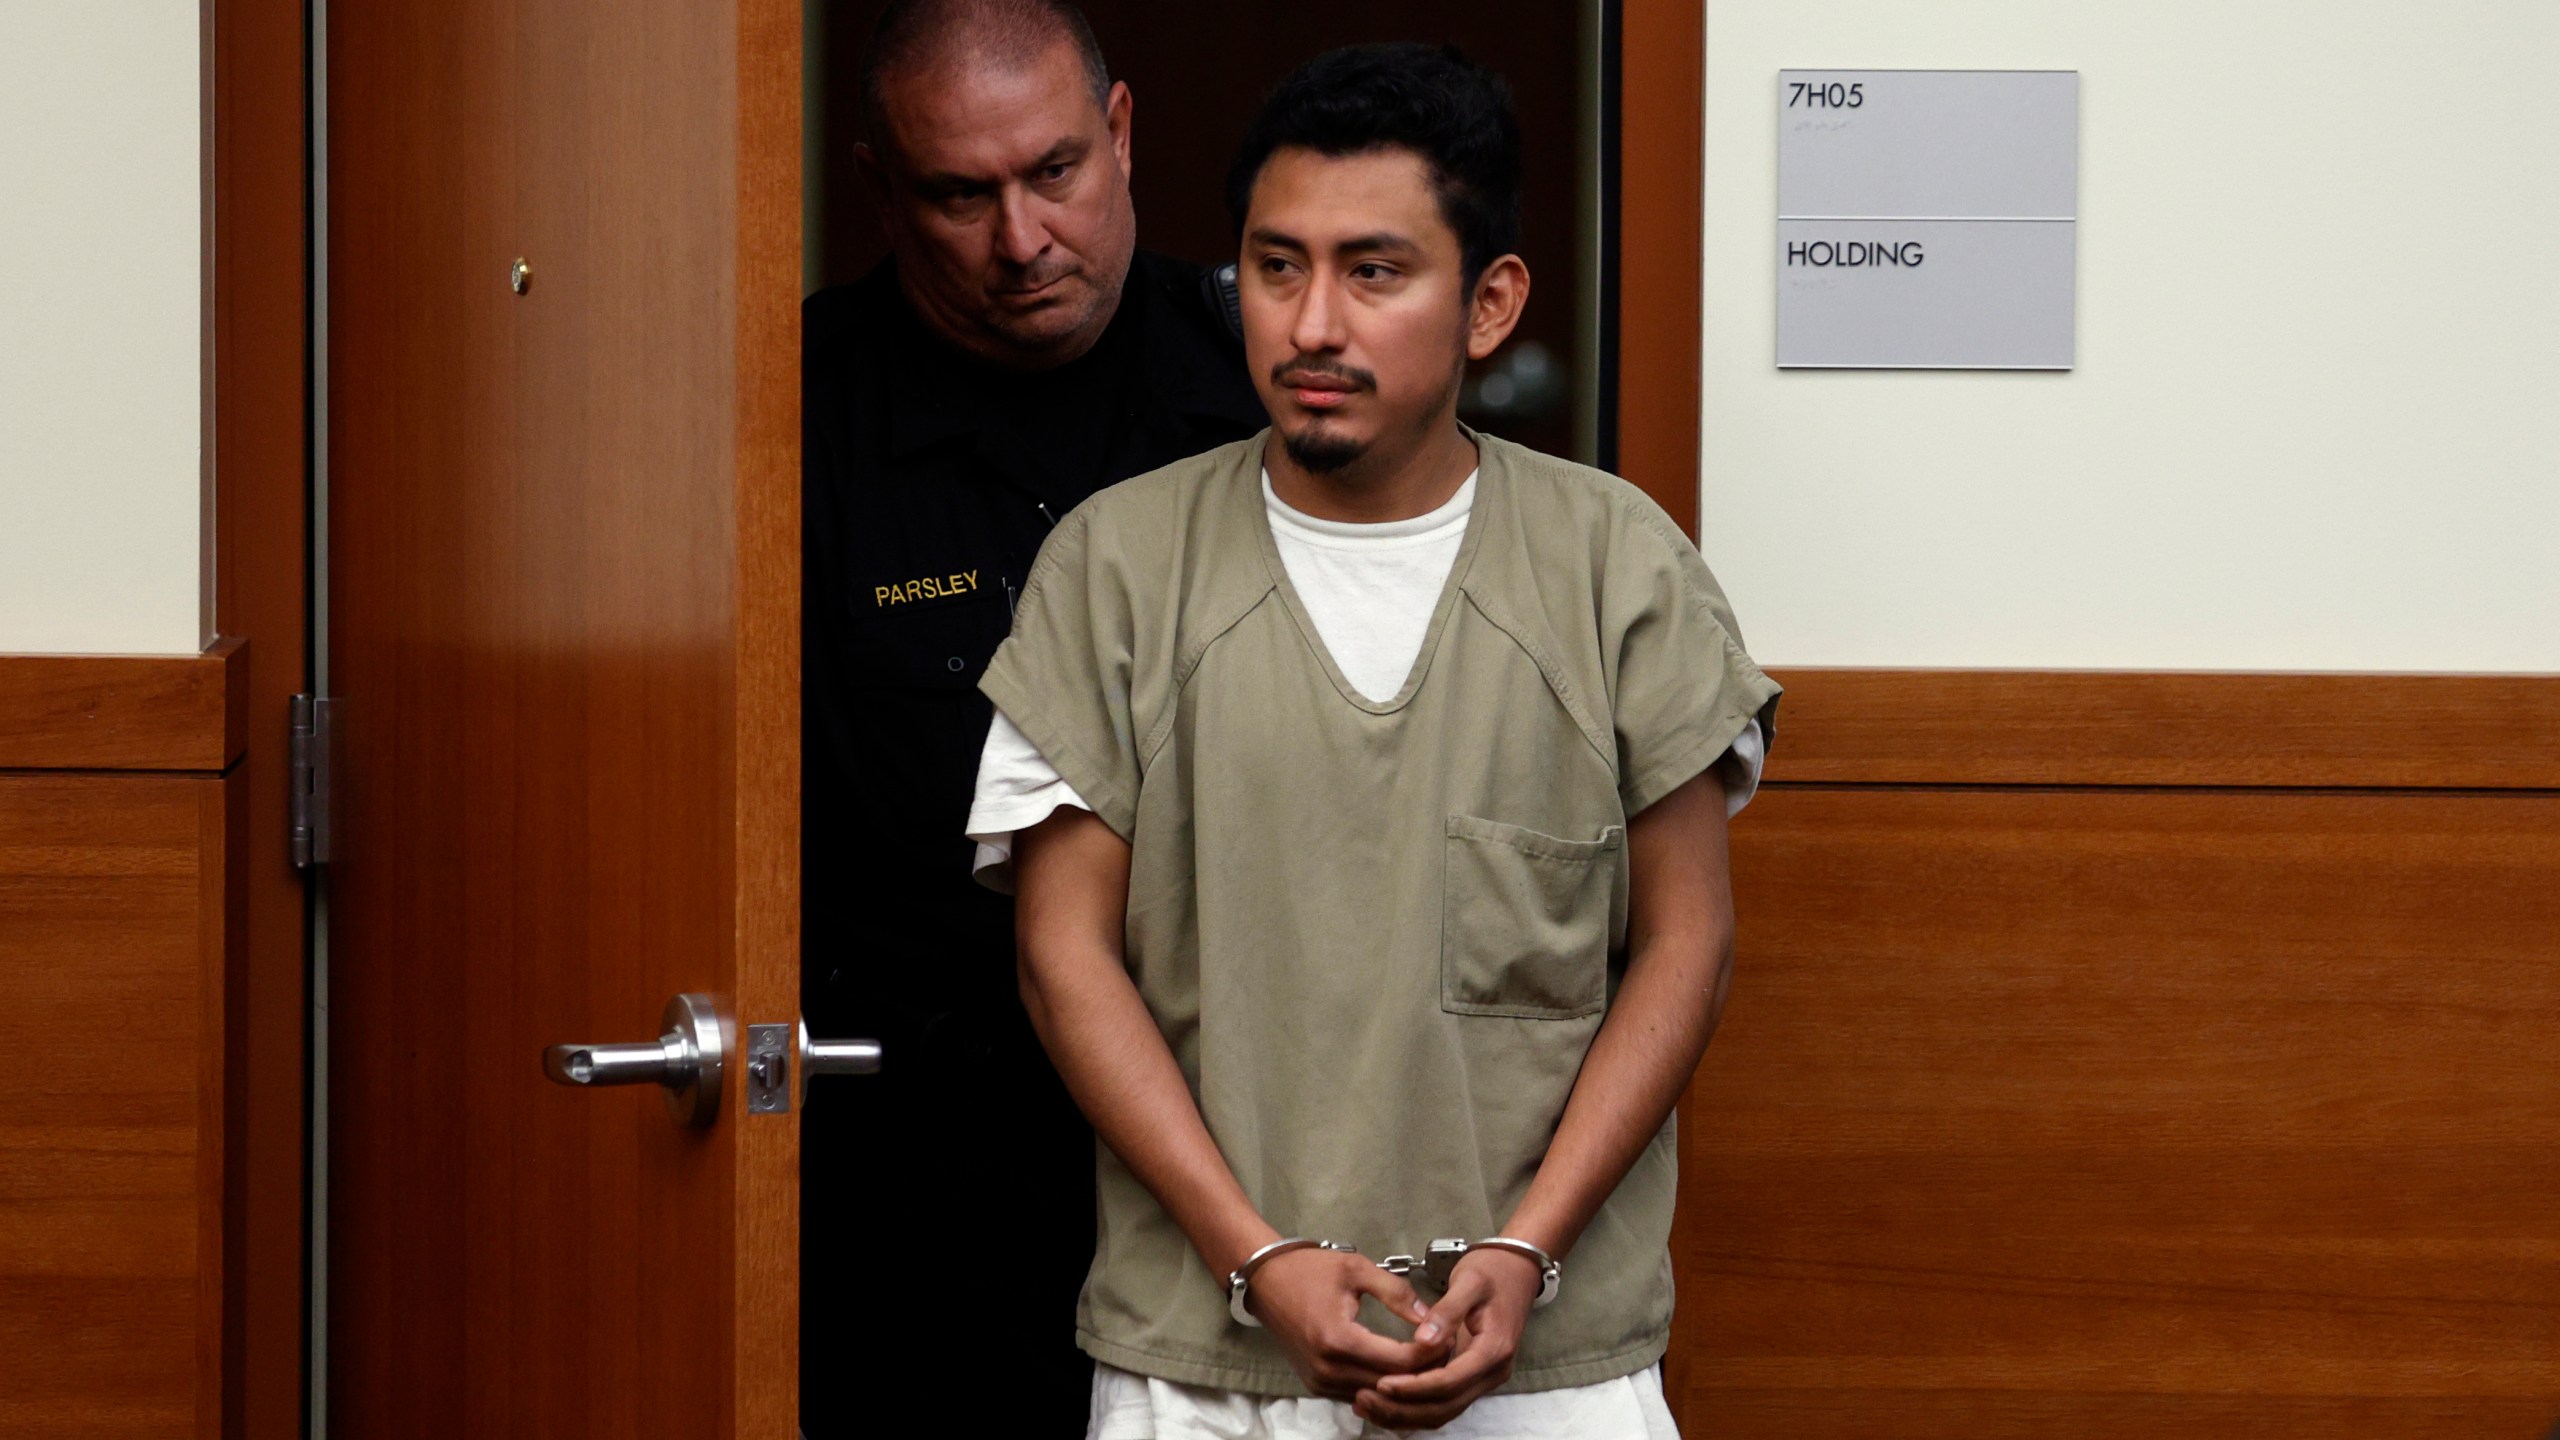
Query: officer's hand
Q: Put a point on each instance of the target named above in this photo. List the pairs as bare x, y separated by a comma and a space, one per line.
1485, 1310
1310, 1302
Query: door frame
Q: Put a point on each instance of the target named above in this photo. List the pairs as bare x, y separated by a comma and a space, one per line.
1660, 57
257, 394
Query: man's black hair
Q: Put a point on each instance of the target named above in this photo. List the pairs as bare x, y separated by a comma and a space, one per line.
915, 33
1429, 99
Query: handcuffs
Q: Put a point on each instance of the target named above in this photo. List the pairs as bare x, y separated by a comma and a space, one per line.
1437, 1262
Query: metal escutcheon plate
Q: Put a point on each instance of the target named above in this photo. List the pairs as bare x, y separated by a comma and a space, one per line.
692, 1022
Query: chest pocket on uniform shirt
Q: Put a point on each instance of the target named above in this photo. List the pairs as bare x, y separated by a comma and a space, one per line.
935, 635
1525, 920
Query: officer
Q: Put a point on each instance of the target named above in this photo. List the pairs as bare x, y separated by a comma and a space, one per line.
1014, 355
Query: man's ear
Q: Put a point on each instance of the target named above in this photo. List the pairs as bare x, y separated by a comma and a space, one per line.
1502, 294
872, 173
1115, 118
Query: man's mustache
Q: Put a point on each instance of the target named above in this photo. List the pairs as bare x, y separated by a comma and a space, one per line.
1293, 373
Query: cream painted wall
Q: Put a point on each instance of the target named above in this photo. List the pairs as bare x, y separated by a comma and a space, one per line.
2316, 419
101, 487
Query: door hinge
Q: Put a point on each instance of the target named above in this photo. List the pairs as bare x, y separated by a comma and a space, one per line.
309, 806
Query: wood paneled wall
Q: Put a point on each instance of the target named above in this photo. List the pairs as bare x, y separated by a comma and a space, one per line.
151, 922
2162, 1056
119, 951
2135, 1109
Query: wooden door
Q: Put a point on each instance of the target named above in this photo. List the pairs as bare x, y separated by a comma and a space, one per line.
563, 588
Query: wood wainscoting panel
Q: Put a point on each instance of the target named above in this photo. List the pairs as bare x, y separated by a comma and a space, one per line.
125, 712
112, 921
2139, 727
2158, 1113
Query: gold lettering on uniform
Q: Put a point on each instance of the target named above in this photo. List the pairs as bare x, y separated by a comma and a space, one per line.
931, 587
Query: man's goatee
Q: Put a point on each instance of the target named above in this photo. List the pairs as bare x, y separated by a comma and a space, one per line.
1320, 453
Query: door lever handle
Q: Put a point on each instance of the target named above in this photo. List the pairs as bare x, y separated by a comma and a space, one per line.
836, 1057
780, 1059
687, 1059
643, 1064
829, 1057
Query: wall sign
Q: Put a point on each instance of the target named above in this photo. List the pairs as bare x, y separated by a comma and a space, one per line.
1927, 219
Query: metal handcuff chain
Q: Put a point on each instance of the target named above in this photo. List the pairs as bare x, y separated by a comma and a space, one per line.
1438, 1263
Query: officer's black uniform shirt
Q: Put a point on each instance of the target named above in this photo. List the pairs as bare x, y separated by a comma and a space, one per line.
931, 480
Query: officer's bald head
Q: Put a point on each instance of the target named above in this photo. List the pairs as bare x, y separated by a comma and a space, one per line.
929, 39
1000, 159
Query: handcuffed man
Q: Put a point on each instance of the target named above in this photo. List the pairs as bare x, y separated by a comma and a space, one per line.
1365, 787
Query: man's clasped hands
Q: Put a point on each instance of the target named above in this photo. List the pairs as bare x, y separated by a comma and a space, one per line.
1460, 1349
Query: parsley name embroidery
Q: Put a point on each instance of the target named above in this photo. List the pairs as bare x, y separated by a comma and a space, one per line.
931, 587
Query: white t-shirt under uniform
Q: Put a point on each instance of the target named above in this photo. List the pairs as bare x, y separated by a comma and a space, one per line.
1370, 591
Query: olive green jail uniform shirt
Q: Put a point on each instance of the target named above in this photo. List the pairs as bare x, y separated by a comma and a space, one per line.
1378, 936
